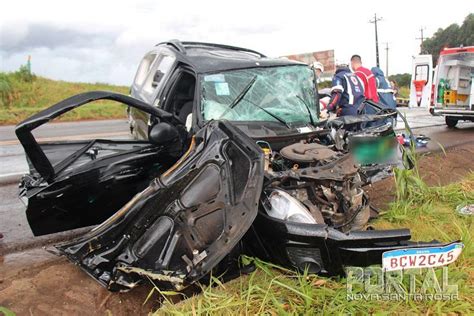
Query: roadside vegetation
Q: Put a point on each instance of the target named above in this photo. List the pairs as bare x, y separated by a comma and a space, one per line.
404, 92
23, 94
429, 212
454, 35
403, 82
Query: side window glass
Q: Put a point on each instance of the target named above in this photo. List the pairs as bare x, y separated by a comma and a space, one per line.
160, 69
144, 68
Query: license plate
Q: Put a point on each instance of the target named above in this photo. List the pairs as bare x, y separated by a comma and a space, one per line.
374, 150
427, 257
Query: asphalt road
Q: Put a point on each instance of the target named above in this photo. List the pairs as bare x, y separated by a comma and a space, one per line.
12, 159
13, 224
61, 130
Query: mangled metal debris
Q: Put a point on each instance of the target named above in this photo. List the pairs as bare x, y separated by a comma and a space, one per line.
166, 276
185, 222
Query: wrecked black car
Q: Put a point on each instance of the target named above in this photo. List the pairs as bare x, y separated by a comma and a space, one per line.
247, 168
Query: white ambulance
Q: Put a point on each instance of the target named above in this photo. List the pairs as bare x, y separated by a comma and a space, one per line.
453, 91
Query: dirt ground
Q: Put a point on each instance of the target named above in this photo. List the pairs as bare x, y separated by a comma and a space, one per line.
53, 286
37, 283
435, 168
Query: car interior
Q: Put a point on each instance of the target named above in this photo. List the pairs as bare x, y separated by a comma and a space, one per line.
181, 98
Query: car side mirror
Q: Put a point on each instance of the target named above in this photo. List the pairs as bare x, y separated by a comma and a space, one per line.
163, 133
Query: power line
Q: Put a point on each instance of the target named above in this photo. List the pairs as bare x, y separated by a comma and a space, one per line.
374, 21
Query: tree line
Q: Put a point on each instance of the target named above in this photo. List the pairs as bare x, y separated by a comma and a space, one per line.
452, 36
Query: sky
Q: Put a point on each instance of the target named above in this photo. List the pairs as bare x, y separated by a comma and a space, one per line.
104, 41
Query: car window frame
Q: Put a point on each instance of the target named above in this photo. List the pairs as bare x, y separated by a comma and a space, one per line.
150, 95
154, 90
172, 83
141, 65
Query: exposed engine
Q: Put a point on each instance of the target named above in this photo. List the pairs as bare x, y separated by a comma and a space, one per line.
312, 183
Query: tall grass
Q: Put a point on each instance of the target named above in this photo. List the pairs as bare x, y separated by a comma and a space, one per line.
24, 74
21, 96
269, 290
6, 90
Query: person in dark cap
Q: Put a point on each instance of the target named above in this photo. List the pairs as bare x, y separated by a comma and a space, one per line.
347, 92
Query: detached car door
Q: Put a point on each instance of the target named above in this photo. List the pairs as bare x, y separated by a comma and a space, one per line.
185, 222
74, 184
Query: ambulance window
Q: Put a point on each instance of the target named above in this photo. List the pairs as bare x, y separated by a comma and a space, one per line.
421, 72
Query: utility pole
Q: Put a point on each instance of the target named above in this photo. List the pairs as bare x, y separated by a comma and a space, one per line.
28, 64
375, 20
422, 39
386, 59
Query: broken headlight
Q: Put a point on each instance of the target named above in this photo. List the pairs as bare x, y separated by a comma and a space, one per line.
281, 205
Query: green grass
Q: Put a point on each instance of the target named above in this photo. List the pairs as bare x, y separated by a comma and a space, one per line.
5, 311
404, 92
430, 214
20, 98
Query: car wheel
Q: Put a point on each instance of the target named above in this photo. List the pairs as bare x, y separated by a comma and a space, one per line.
451, 122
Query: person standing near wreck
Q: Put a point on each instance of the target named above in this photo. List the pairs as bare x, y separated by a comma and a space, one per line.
367, 78
347, 93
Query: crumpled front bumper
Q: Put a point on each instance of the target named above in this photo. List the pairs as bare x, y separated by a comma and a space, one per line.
320, 248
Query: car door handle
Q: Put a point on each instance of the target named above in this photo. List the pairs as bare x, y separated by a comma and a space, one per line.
49, 194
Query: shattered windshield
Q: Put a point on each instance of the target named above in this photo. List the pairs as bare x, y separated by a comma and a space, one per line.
283, 94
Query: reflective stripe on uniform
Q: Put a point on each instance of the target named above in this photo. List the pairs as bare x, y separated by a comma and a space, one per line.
385, 91
349, 90
338, 87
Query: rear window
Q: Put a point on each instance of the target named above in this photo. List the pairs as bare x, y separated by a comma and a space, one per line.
158, 71
144, 68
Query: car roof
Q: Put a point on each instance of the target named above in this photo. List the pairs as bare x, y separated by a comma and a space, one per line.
210, 57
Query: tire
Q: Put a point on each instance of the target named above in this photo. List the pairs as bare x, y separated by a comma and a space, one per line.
451, 121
